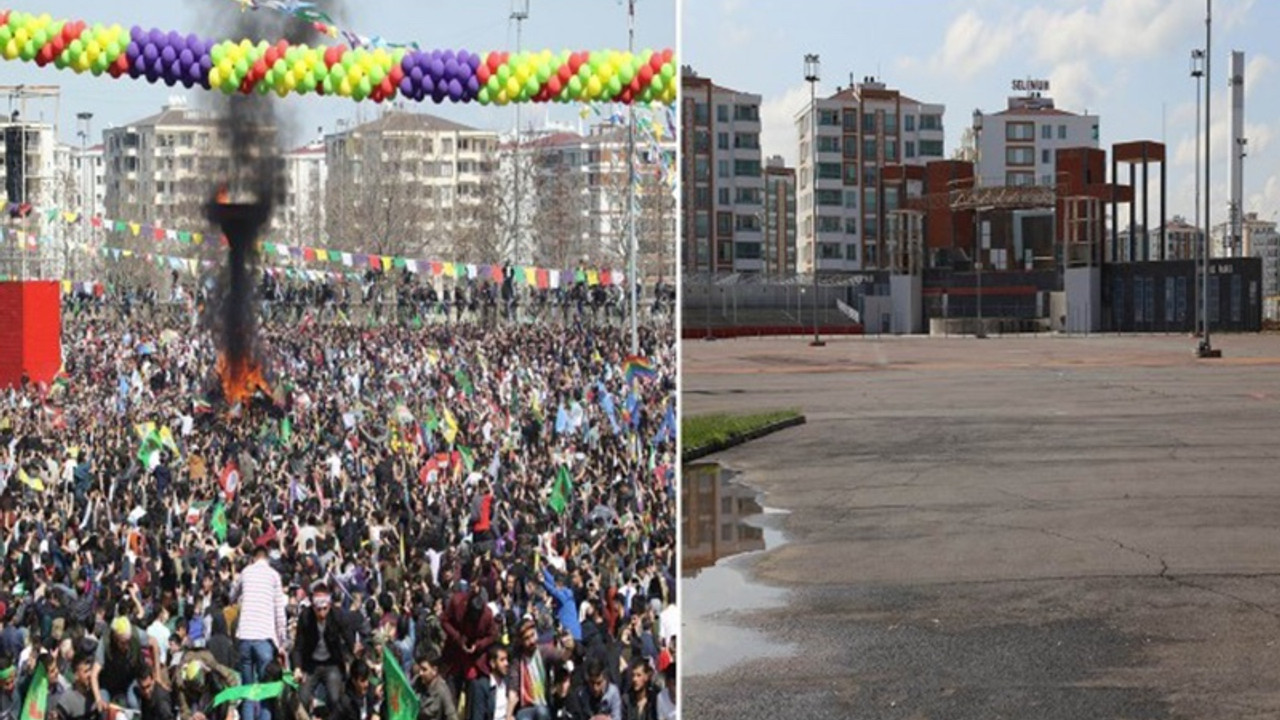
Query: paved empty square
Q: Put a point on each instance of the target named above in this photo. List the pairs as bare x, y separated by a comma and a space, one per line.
1022, 527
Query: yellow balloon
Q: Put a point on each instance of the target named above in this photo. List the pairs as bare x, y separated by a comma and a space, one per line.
522, 73
11, 49
291, 81
21, 36
594, 87
502, 98
299, 69
513, 86
93, 51
606, 71
215, 76
344, 87
355, 75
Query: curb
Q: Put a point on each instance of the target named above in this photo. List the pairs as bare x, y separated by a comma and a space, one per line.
698, 453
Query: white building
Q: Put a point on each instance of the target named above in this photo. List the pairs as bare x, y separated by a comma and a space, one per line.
161, 169
722, 181
406, 182
90, 177
860, 131
301, 220
1018, 145
29, 163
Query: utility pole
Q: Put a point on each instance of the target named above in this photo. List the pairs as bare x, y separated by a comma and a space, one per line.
519, 13
633, 248
1205, 350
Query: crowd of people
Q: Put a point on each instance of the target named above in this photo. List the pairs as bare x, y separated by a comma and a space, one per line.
487, 508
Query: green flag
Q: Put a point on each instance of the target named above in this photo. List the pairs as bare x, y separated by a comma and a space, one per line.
254, 693
468, 461
561, 490
218, 522
433, 420
37, 700
286, 429
151, 444
464, 381
402, 704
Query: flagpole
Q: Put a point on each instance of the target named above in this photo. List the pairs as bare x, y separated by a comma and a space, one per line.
631, 191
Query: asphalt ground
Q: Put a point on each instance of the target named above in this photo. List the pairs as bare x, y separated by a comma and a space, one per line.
1042, 527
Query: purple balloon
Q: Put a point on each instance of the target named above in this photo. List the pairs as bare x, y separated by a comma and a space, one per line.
152, 75
150, 52
455, 90
451, 68
437, 68
138, 66
473, 85
156, 36
194, 73
428, 85
187, 57
409, 62
206, 64
416, 74
168, 54
136, 33
438, 96
448, 55
193, 42
406, 86
132, 51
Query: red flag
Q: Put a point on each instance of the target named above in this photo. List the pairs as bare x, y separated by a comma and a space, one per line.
229, 480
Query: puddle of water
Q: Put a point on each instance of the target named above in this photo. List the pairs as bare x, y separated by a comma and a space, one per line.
723, 524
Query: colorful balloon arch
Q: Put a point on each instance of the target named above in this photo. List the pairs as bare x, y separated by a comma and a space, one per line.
363, 73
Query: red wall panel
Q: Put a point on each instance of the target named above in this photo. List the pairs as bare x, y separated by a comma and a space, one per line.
30, 331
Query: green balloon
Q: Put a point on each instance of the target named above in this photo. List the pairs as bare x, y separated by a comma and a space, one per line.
5, 34
615, 86
483, 96
242, 68
659, 84
544, 73
230, 84
626, 74
531, 88
263, 88
76, 47
348, 59
494, 86
646, 95
377, 74
280, 67
668, 71
586, 71
327, 84
337, 72
504, 72
61, 62
218, 53
575, 86
269, 78
366, 86
41, 38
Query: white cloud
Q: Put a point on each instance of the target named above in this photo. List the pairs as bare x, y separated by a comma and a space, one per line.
1074, 86
778, 135
971, 45
1266, 202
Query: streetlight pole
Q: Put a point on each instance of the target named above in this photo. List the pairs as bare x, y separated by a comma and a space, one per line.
519, 13
632, 210
84, 119
812, 72
1197, 72
1205, 350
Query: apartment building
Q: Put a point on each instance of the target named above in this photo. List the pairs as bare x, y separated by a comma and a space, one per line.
1018, 145
846, 141
722, 179
779, 218
30, 165
301, 219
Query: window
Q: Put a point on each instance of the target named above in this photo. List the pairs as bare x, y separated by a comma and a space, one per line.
909, 123
851, 174
747, 223
702, 224
870, 230
722, 169
828, 144
748, 141
869, 122
869, 148
725, 251
891, 199
829, 171
851, 149
851, 226
749, 196
851, 120
891, 150
1019, 156
1019, 178
909, 150
724, 223
830, 118
747, 250
702, 198
830, 198
829, 251
723, 196
830, 223
869, 174
722, 113
1020, 131
1045, 157
1095, 132
746, 168
869, 198
1062, 132
930, 122
851, 198
746, 113
722, 140
891, 122
930, 148
1046, 132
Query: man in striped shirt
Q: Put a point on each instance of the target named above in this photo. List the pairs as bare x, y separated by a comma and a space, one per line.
262, 629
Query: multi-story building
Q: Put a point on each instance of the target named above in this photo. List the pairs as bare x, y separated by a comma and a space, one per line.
779, 218
88, 169
843, 202
722, 181
164, 168
580, 199
1259, 239
408, 182
301, 220
1251, 226
30, 163
1181, 239
1018, 145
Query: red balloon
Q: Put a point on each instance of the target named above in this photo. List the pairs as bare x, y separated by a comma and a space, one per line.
626, 96
667, 55
58, 44
636, 86
494, 61
45, 56
575, 62
646, 74
260, 67
396, 75
387, 87
270, 56
554, 86
656, 62
565, 73
4, 17
482, 73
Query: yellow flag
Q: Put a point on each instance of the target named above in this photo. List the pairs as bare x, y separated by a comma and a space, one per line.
34, 483
450, 427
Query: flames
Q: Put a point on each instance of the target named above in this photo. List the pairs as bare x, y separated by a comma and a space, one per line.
224, 196
241, 378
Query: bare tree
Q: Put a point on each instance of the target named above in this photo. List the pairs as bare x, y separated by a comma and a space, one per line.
481, 230
559, 224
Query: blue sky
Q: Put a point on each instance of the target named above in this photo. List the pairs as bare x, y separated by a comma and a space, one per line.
1126, 60
476, 25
